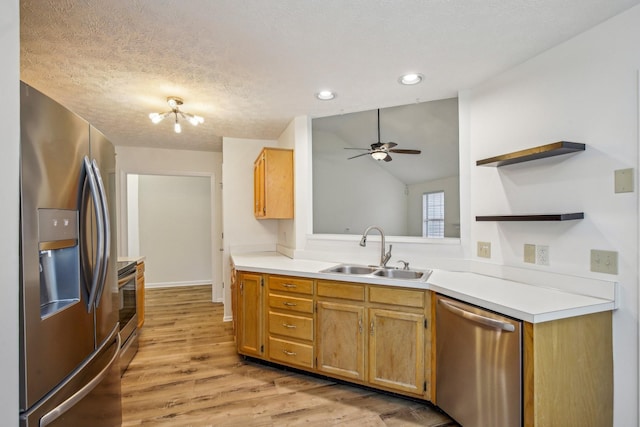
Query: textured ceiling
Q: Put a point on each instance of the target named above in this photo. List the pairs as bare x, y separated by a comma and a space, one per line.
248, 67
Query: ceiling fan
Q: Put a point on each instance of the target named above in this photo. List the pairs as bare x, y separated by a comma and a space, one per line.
380, 150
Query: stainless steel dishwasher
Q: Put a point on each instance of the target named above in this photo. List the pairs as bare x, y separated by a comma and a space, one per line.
478, 365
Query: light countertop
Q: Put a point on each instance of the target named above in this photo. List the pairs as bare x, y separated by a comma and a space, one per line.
534, 304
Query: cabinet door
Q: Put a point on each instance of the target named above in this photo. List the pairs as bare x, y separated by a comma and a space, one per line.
340, 339
250, 319
259, 208
396, 350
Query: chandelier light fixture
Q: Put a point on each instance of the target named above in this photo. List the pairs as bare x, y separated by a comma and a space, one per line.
175, 103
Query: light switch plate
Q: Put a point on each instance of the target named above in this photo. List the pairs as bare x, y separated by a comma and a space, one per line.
623, 180
604, 261
529, 253
484, 249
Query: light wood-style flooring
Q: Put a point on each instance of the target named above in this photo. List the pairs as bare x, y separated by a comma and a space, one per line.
187, 373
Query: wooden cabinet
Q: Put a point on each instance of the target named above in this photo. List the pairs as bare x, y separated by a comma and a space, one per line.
372, 335
398, 326
383, 337
568, 372
340, 334
382, 328
140, 293
273, 184
250, 318
290, 321
396, 350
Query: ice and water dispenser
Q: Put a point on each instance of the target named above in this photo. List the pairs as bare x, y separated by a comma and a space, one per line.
59, 260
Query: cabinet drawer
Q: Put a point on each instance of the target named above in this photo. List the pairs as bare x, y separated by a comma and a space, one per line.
291, 284
285, 302
341, 290
291, 326
405, 297
291, 353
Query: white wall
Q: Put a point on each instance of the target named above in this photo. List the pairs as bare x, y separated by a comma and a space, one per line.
9, 220
242, 231
155, 161
133, 216
585, 90
175, 229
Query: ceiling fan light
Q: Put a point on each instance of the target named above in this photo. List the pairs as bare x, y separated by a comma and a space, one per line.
411, 79
156, 117
379, 155
175, 103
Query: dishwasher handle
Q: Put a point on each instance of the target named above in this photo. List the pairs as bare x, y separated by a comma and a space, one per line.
492, 323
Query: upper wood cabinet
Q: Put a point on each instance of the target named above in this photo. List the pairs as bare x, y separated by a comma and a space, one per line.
273, 184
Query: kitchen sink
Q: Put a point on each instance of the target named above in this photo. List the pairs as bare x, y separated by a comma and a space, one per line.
400, 274
351, 269
374, 271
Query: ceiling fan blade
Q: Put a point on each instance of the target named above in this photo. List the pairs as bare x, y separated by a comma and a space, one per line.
401, 151
389, 144
351, 148
359, 155
376, 145
388, 158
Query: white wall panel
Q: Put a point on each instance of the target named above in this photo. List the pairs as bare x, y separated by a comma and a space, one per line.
175, 229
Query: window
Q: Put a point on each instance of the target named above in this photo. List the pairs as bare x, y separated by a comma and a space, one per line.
433, 214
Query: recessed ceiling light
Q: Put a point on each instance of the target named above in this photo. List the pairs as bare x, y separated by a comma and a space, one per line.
325, 95
411, 79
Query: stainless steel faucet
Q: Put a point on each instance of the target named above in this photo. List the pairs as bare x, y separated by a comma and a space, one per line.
384, 258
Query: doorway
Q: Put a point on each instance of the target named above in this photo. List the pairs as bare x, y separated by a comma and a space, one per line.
170, 220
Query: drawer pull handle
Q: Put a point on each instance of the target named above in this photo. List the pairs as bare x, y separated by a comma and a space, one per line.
289, 285
289, 353
287, 325
289, 304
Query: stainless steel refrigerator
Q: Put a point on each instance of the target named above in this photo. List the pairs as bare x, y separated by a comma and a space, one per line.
69, 334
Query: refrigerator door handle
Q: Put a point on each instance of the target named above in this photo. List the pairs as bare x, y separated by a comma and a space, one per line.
492, 323
93, 186
106, 231
59, 410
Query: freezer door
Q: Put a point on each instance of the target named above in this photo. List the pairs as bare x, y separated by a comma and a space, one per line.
89, 397
56, 331
104, 162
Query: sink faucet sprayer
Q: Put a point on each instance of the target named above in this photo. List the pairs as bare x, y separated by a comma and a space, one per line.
384, 258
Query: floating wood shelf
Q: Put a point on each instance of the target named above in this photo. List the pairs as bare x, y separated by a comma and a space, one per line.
549, 150
542, 217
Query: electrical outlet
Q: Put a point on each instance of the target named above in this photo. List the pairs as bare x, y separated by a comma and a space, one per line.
529, 253
484, 249
604, 261
542, 255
